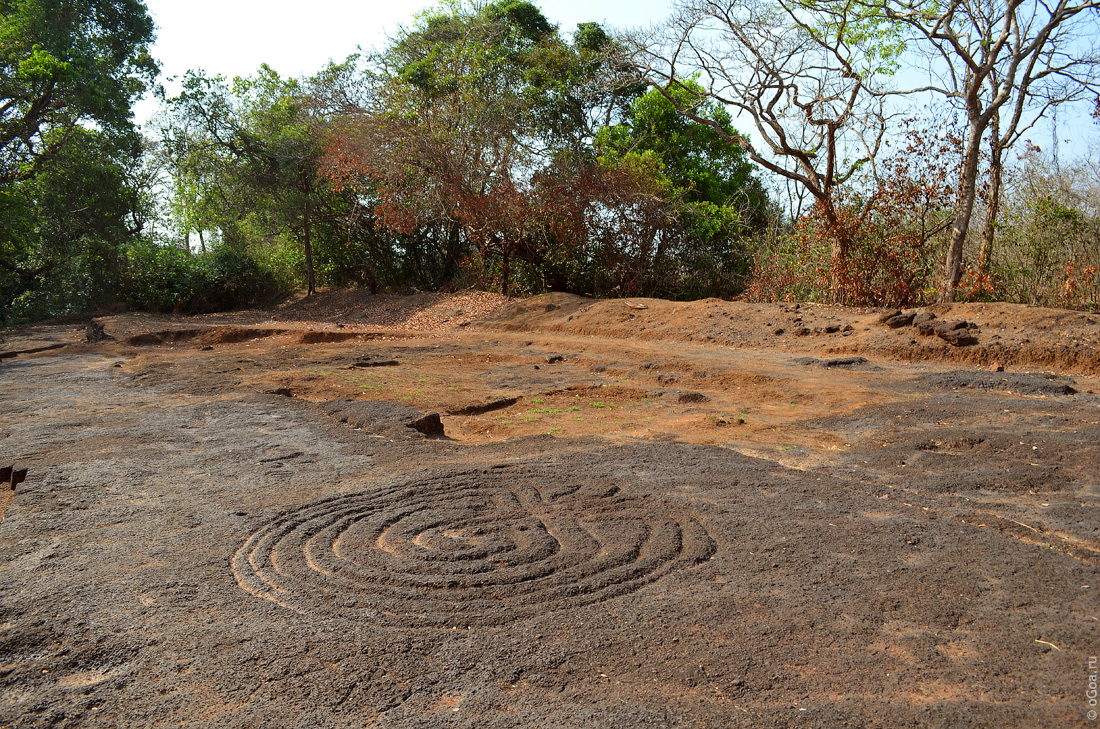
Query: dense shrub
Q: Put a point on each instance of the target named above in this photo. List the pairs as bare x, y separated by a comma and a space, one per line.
888, 263
168, 279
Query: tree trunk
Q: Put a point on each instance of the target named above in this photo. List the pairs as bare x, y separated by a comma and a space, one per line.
308, 246
187, 242
840, 251
505, 269
993, 205
202, 242
964, 210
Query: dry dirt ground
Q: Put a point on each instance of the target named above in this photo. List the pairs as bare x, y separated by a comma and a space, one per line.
461, 511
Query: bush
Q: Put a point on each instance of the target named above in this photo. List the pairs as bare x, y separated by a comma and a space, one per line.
159, 278
888, 263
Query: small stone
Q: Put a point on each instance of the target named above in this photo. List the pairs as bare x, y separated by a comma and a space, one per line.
926, 328
996, 367
95, 332
956, 337
921, 317
899, 320
886, 316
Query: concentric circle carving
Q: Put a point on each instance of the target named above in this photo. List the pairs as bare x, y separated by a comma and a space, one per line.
476, 548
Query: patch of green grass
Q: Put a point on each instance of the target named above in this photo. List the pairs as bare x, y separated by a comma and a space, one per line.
537, 400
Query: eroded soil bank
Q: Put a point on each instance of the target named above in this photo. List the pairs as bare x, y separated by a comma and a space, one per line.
637, 514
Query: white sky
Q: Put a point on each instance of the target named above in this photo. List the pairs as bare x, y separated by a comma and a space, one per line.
233, 37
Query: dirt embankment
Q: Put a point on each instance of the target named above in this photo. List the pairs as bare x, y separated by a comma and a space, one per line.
1008, 334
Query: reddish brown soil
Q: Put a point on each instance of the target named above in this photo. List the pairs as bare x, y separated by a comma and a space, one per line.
641, 513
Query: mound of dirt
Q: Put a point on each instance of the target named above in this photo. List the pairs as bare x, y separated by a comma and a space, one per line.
418, 312
1011, 335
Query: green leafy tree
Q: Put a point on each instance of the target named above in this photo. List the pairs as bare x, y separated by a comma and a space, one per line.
62, 228
706, 174
244, 161
69, 193
473, 117
714, 201
64, 63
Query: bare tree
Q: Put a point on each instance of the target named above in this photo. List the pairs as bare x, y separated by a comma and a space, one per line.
1005, 63
804, 86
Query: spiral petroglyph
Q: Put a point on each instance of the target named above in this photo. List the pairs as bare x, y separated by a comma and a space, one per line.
475, 548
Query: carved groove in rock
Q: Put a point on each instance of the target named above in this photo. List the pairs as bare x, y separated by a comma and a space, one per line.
475, 548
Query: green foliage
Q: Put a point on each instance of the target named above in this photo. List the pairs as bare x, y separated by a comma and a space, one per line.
713, 203
70, 162
167, 279
523, 17
60, 229
866, 26
697, 162
244, 159
64, 63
